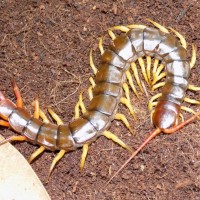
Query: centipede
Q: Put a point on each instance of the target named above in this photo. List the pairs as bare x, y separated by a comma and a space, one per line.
110, 87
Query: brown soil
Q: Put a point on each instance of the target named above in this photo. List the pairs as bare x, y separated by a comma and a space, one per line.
45, 47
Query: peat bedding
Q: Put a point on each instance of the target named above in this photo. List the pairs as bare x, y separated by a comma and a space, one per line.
45, 47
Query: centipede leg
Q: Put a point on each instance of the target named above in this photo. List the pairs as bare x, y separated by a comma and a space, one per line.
92, 63
194, 56
143, 68
16, 90
130, 81
13, 138
120, 116
193, 88
162, 28
148, 60
60, 154
127, 92
181, 38
128, 105
156, 86
100, 45
114, 138
135, 72
191, 101
4, 123
84, 155
151, 101
36, 115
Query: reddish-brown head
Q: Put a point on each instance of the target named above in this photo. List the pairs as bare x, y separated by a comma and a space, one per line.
166, 115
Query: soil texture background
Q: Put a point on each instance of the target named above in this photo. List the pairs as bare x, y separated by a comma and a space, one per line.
45, 46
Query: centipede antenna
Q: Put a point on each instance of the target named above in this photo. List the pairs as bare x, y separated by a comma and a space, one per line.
151, 136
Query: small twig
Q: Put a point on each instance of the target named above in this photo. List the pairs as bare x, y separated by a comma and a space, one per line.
183, 12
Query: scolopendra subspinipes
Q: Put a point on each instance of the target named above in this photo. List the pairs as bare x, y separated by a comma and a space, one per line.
137, 42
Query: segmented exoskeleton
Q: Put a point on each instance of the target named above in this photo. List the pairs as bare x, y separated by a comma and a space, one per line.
107, 92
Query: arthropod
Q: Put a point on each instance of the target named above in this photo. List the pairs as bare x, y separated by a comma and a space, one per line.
106, 93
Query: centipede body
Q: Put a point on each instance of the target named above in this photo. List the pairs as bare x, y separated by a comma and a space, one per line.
109, 80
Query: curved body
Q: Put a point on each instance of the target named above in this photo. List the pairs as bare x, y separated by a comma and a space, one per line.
108, 90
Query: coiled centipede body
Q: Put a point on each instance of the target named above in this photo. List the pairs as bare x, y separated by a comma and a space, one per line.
110, 81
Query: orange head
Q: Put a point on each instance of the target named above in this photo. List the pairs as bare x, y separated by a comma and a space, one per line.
166, 115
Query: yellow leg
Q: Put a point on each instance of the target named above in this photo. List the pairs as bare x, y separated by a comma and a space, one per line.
36, 153
82, 106
194, 56
101, 45
76, 111
151, 103
4, 123
38, 113
13, 138
188, 110
55, 116
92, 82
55, 160
94, 69
120, 116
157, 78
162, 28
148, 59
114, 138
160, 68
181, 116
127, 92
193, 88
128, 105
135, 72
43, 116
16, 90
84, 155
111, 34
192, 101
155, 66
156, 86
140, 26
120, 28
90, 93
181, 38
36, 109
142, 65
130, 81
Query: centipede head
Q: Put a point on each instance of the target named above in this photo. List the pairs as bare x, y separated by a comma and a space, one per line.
166, 115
